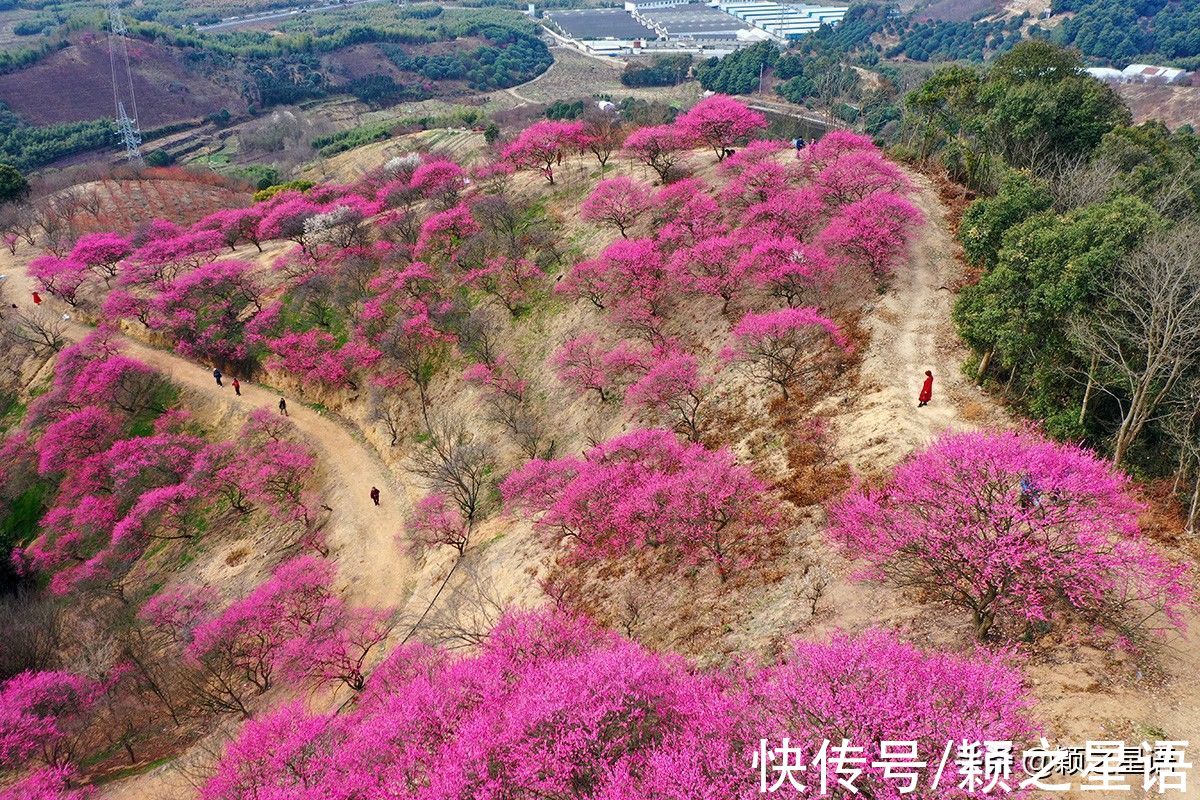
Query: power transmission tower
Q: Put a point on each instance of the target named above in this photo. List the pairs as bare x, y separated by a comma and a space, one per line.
127, 127
131, 137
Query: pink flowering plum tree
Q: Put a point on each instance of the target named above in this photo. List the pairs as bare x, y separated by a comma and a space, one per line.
755, 152
714, 267
835, 145
674, 389
684, 213
61, 277
442, 233
646, 489
719, 123
158, 262
237, 651
662, 148
268, 469
204, 311
543, 145
318, 359
874, 688
500, 376
235, 225
440, 180
47, 783
1021, 532
437, 521
413, 348
586, 363
335, 646
798, 213
512, 282
101, 253
858, 174
44, 716
781, 347
757, 183
76, 436
792, 272
550, 705
872, 233
630, 278
286, 216
619, 202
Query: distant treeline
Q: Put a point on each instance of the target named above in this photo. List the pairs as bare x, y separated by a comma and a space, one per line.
27, 146
662, 71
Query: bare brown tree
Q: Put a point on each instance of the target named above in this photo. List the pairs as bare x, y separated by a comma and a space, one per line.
31, 629
604, 134
1147, 336
1076, 182
453, 461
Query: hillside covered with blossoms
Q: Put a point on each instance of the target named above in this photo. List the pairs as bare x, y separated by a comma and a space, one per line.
574, 473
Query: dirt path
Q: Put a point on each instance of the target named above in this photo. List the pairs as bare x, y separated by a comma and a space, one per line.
911, 331
372, 566
1082, 692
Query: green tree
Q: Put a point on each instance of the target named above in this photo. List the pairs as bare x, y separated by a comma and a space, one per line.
985, 222
13, 185
1038, 105
1049, 269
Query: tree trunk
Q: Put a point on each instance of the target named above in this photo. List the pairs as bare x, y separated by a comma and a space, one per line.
1195, 507
1087, 392
984, 363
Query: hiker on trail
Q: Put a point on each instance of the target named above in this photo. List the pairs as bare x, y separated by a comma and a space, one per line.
375, 495
217, 374
37, 299
926, 390
237, 387
283, 406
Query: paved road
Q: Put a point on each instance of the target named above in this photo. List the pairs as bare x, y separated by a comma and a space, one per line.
234, 22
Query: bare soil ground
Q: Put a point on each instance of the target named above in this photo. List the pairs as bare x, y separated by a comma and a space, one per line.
574, 75
76, 84
1173, 105
128, 203
464, 146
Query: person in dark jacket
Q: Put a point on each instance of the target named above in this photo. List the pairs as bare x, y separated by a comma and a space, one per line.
375, 495
217, 375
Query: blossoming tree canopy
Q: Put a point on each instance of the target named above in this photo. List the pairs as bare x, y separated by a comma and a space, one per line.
647, 489
544, 144
1023, 533
719, 122
783, 346
552, 706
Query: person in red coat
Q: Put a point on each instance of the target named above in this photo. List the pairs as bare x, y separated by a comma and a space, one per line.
926, 390
37, 299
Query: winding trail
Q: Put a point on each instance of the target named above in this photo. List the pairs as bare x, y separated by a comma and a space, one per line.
911, 331
371, 564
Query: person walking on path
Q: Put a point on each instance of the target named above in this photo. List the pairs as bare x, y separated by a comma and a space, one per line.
375, 495
283, 407
237, 387
217, 375
926, 390
37, 299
